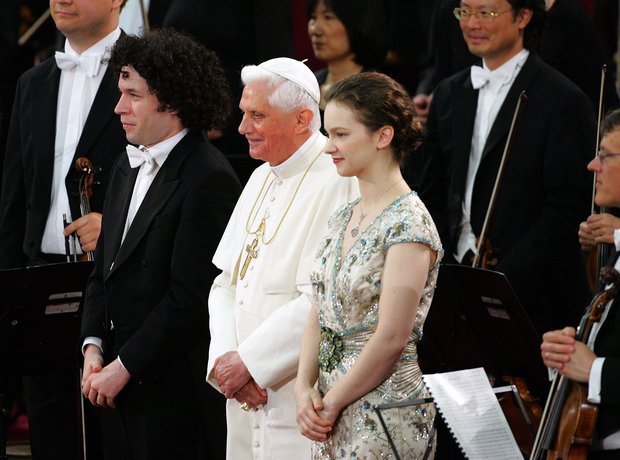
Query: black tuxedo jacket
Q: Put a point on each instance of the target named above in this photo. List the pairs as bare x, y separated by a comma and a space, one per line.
147, 296
607, 345
544, 194
29, 159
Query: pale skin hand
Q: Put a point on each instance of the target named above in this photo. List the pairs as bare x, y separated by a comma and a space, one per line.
93, 363
102, 387
572, 358
230, 373
88, 229
307, 399
598, 228
251, 394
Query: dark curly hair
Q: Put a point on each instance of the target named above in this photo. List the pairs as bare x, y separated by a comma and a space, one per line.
366, 24
183, 74
377, 100
532, 35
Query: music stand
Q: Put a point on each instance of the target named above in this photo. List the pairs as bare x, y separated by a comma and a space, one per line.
476, 320
40, 315
417, 402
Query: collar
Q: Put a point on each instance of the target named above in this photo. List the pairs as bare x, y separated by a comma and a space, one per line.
102, 48
507, 72
298, 161
161, 150
617, 239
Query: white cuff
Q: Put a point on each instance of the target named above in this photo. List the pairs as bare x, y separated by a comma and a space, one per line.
92, 340
594, 383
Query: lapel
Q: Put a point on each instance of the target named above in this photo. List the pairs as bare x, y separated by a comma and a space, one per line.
119, 196
465, 103
100, 114
160, 191
501, 126
45, 93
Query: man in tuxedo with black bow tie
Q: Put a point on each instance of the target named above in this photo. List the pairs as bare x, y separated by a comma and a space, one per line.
64, 109
597, 364
145, 326
545, 191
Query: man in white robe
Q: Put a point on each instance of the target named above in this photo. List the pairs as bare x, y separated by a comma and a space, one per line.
259, 304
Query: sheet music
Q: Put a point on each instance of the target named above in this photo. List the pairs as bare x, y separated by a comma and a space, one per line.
471, 411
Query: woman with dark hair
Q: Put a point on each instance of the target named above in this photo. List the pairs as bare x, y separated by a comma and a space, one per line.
373, 282
348, 35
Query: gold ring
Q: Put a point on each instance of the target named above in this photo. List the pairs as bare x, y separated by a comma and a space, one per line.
245, 406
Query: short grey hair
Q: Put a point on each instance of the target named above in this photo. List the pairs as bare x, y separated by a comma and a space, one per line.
286, 95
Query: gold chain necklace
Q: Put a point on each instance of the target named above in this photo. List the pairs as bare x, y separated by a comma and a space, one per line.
259, 233
355, 230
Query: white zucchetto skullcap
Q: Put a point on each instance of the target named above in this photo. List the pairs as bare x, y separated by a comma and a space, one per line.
295, 71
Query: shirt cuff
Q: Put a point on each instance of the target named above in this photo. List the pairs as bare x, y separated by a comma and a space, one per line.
121, 362
92, 340
594, 384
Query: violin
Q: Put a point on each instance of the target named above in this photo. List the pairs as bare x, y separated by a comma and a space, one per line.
85, 189
569, 420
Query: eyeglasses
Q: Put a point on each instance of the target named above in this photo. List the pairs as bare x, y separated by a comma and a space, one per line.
484, 16
602, 156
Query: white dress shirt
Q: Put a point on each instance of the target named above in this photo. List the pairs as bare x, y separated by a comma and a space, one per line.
76, 93
491, 96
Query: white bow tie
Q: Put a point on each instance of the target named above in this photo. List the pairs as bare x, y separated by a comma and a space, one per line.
88, 62
137, 156
479, 76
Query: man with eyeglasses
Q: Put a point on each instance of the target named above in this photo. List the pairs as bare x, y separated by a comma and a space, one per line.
545, 191
598, 364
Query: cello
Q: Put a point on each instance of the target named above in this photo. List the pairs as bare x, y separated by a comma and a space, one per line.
569, 420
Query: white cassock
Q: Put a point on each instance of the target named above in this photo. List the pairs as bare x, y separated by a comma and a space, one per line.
263, 315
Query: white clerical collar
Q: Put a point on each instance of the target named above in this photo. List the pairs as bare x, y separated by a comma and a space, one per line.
161, 150
297, 162
506, 73
103, 47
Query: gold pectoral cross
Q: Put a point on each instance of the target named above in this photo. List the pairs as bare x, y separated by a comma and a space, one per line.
251, 249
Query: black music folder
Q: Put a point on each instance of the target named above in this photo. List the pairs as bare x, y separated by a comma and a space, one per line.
40, 314
476, 320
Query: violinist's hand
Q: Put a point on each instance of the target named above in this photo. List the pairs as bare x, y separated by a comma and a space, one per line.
570, 357
586, 238
88, 229
598, 228
421, 104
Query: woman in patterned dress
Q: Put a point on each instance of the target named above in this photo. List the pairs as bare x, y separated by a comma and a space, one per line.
373, 282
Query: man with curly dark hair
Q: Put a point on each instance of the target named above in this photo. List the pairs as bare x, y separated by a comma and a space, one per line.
145, 315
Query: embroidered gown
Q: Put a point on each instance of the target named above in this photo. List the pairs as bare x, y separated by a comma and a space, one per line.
346, 292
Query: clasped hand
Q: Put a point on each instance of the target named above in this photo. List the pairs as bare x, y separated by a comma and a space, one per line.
572, 358
101, 384
230, 373
315, 415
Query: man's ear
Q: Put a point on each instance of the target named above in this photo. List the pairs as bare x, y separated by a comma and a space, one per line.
304, 118
386, 134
